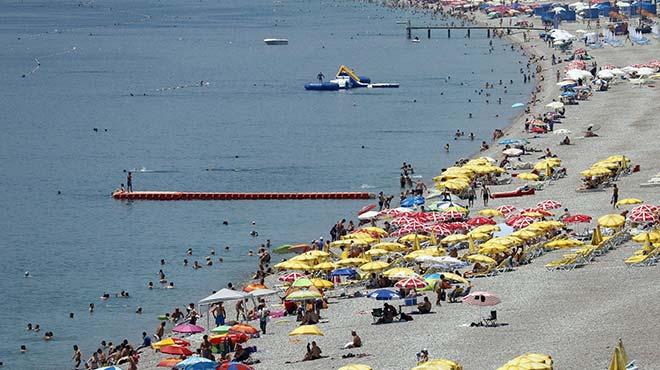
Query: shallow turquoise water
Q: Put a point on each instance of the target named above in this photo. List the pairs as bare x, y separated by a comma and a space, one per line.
81, 243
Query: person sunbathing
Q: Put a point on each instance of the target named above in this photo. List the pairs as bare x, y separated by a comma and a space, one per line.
477, 269
424, 307
313, 352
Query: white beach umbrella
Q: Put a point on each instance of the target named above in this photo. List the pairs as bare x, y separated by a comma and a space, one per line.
576, 74
645, 71
555, 105
629, 69
617, 72
605, 74
368, 215
566, 83
512, 152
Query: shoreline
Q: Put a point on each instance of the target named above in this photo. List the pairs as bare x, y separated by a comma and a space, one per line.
543, 96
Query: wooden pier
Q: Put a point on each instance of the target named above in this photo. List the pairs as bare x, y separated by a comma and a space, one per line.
428, 28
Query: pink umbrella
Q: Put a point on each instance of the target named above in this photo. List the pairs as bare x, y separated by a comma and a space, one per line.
644, 207
521, 222
188, 328
291, 277
641, 216
506, 209
548, 204
577, 218
411, 283
481, 299
478, 221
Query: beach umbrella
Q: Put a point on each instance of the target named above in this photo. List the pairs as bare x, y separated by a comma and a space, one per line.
617, 362
250, 287
611, 220
222, 329
306, 330
450, 276
577, 218
389, 246
375, 266
230, 338
493, 249
533, 214
370, 215
384, 295
399, 273
304, 258
324, 266
478, 221
485, 229
411, 283
109, 368
349, 242
480, 258
374, 231
438, 364
564, 243
521, 222
317, 253
524, 234
596, 172
344, 272
244, 328
169, 362
513, 142
376, 252
169, 342
652, 236
235, 366
512, 152
506, 209
197, 363
350, 262
293, 265
644, 207
597, 237
187, 328
323, 284
555, 105
262, 292
642, 216
291, 277
355, 367
303, 295
489, 212
176, 350
411, 238
483, 299
454, 238
548, 204
302, 283
562, 131
528, 176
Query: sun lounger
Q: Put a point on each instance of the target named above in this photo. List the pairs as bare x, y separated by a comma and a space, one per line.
504, 266
567, 262
490, 271
640, 260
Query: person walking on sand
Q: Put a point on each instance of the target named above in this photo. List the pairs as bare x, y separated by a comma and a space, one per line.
240, 310
263, 314
615, 196
471, 194
485, 194
77, 356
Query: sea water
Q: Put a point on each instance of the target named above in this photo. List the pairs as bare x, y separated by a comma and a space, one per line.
188, 94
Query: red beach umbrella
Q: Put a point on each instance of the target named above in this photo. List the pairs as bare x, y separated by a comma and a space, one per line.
478, 221
641, 216
506, 209
548, 204
483, 299
243, 328
233, 338
451, 215
411, 283
439, 229
644, 207
291, 277
234, 366
521, 222
176, 350
434, 217
577, 218
539, 210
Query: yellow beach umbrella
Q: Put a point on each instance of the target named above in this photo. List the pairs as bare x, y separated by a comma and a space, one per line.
481, 259
439, 364
653, 236
360, 236
628, 201
453, 185
324, 266
304, 258
375, 230
597, 237
374, 266
351, 262
302, 295
611, 220
454, 277
564, 243
597, 171
306, 330
493, 249
454, 238
389, 246
375, 252
479, 236
455, 209
355, 367
349, 242
533, 214
293, 265
524, 234
411, 238
528, 176
317, 253
489, 212
486, 229
322, 284
399, 272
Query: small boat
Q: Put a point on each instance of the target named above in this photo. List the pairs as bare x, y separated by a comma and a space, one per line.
515, 193
276, 41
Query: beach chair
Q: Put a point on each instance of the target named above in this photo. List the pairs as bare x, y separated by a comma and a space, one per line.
491, 320
641, 260
567, 262
504, 266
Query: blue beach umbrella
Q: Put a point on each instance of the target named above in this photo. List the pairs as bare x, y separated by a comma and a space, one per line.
344, 272
197, 363
412, 201
568, 93
513, 142
384, 295
110, 368
518, 105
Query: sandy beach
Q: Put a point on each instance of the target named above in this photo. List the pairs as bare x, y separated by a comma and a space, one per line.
574, 316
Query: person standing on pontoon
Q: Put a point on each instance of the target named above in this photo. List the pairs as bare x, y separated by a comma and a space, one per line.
320, 76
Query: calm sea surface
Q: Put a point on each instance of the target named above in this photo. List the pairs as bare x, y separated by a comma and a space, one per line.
252, 124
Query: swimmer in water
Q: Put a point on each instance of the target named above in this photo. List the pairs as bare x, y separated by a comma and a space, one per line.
213, 251
139, 310
185, 262
23, 348
27, 274
36, 328
189, 252
48, 335
162, 262
161, 276
29, 326
170, 286
196, 265
105, 296
91, 307
150, 285
221, 260
227, 248
250, 253
71, 315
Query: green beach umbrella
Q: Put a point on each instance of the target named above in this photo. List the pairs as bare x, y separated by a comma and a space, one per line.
302, 282
282, 249
222, 329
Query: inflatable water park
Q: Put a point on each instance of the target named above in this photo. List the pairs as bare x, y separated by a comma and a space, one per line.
346, 79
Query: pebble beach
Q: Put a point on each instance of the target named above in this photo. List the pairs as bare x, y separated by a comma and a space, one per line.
575, 316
